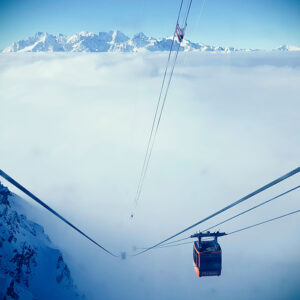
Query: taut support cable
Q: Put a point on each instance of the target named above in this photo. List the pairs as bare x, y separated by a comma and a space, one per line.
36, 199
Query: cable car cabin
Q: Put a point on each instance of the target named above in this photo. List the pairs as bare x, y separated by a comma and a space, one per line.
180, 32
207, 258
207, 255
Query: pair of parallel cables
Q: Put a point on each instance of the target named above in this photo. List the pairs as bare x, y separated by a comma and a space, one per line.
163, 242
168, 74
171, 61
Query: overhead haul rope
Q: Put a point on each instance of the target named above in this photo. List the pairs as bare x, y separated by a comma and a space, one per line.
264, 222
174, 245
176, 241
235, 216
272, 183
254, 207
156, 111
159, 107
25, 191
239, 230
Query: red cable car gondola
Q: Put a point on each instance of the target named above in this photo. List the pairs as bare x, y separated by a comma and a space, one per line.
207, 254
180, 32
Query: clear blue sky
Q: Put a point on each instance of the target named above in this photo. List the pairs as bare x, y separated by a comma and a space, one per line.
253, 23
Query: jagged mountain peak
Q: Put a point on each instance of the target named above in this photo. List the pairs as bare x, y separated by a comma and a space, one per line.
140, 35
85, 33
119, 36
113, 41
288, 48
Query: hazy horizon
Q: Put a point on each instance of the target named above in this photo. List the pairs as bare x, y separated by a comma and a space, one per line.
256, 24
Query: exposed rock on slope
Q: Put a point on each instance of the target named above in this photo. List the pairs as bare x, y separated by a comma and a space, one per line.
30, 266
112, 41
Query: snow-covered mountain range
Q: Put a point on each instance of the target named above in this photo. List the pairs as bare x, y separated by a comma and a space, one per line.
112, 41
30, 266
288, 48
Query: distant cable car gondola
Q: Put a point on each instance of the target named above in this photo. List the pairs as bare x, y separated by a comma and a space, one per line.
207, 254
180, 32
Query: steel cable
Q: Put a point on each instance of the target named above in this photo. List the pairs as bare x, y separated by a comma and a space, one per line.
157, 108
28, 193
252, 208
270, 184
153, 133
237, 215
264, 222
231, 218
239, 230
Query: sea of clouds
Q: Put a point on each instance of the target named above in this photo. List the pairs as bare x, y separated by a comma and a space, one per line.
74, 128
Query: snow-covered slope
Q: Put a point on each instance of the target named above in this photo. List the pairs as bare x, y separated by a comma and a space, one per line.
30, 266
288, 48
112, 41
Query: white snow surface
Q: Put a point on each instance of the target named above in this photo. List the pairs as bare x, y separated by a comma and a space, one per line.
288, 48
31, 267
112, 41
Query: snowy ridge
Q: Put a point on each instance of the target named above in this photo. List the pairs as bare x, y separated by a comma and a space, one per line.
30, 266
288, 48
112, 41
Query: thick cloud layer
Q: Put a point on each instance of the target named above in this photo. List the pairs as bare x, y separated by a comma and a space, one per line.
73, 129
